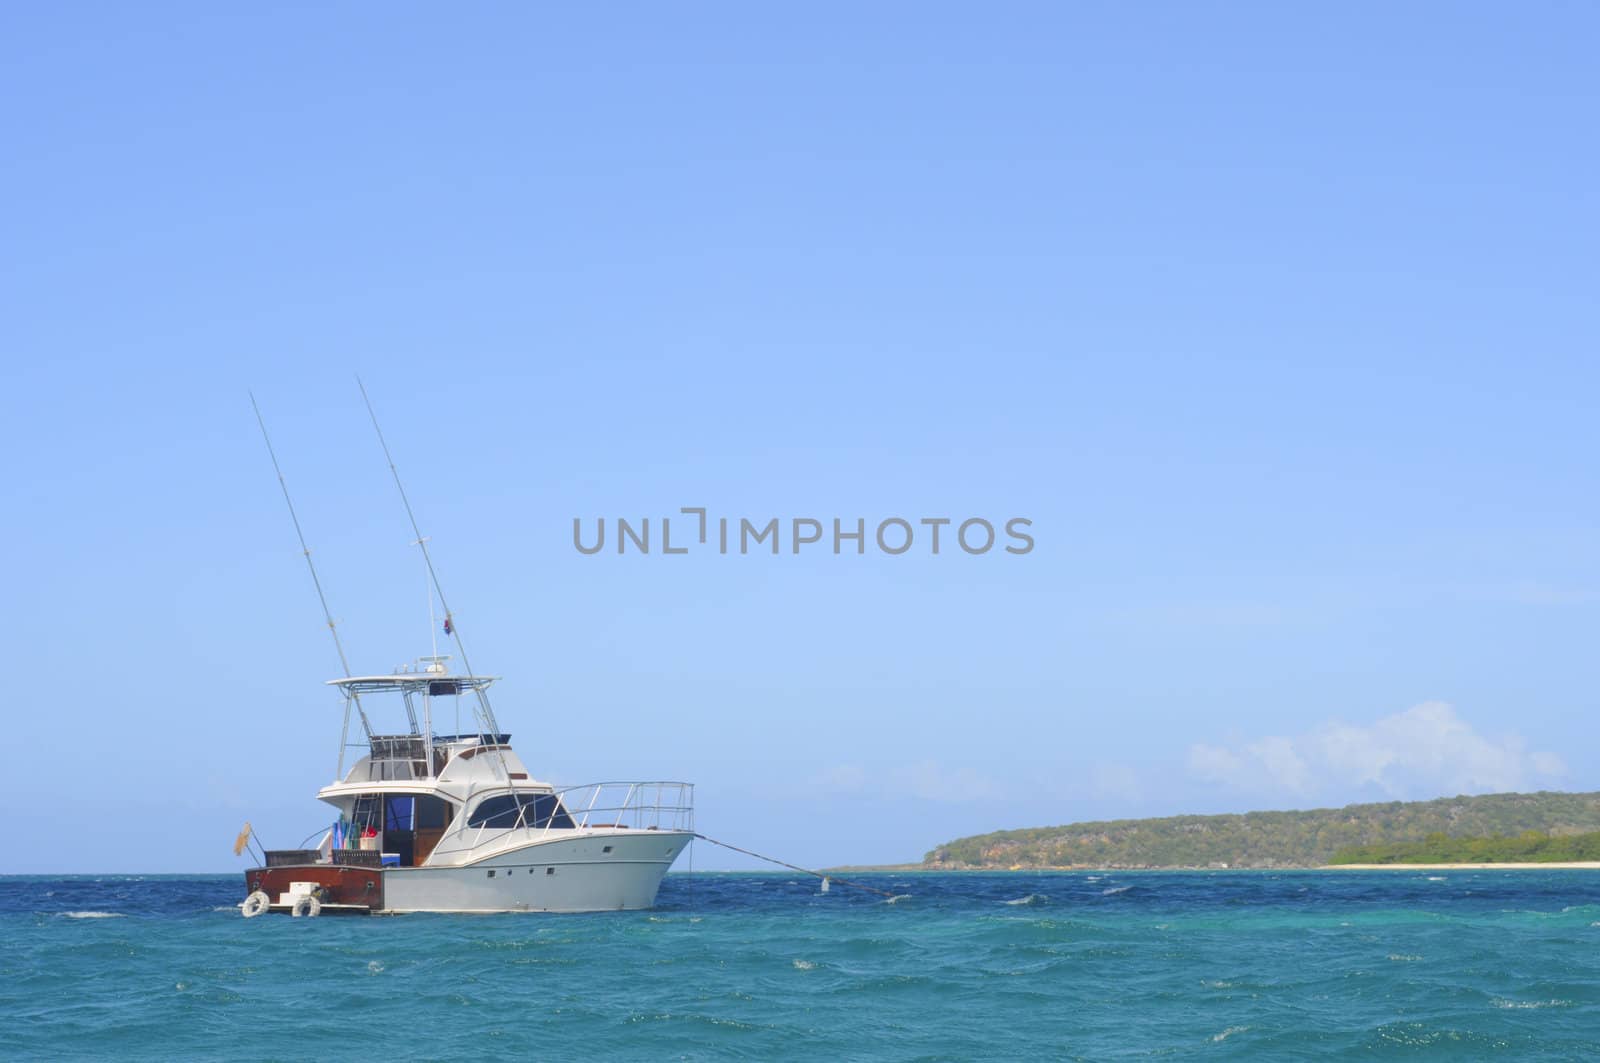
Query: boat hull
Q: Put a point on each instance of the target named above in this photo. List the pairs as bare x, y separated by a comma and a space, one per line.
590, 872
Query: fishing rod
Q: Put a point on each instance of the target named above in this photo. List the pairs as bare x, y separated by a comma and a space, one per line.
327, 614
450, 627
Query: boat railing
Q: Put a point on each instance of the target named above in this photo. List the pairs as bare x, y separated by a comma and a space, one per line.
642, 806
628, 805
400, 758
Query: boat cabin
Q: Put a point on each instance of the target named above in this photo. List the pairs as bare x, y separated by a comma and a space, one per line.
411, 789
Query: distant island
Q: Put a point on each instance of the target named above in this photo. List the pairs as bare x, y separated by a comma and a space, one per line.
1540, 827
1529, 847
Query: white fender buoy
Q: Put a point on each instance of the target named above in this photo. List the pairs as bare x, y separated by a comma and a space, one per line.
306, 905
255, 904
825, 885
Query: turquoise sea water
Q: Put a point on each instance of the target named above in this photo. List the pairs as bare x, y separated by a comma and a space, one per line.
1060, 965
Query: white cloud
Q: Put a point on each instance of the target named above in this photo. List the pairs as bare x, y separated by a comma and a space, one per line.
1213, 763
1282, 763
1425, 751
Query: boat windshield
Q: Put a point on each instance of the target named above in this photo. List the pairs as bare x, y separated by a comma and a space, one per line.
520, 810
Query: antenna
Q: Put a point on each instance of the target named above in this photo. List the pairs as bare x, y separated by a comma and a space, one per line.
321, 597
450, 626
433, 631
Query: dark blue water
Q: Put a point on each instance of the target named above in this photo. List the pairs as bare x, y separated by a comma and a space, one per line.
1263, 965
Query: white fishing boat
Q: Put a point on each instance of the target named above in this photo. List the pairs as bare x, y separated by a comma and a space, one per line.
457, 822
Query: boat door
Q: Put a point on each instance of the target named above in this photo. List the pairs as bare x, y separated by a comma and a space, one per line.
409, 826
433, 816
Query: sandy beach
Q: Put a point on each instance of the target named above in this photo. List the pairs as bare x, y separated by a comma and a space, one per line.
1461, 867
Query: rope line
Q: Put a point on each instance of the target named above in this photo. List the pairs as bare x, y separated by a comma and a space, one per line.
797, 867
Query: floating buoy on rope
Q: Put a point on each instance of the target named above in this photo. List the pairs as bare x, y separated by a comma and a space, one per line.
255, 904
826, 879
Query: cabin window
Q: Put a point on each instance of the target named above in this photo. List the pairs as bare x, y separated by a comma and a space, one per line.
545, 810
398, 815
495, 813
368, 812
434, 813
520, 810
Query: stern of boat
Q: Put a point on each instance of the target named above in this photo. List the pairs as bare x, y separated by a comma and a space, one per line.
352, 885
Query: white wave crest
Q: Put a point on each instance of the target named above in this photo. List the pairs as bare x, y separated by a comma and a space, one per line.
1032, 898
93, 915
1114, 889
1229, 1032
1501, 1003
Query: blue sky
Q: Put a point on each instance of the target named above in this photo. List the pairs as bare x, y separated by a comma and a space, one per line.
1278, 325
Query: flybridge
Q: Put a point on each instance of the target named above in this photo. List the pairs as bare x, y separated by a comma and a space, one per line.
420, 753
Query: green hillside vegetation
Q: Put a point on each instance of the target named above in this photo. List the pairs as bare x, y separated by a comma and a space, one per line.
1273, 839
1529, 847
